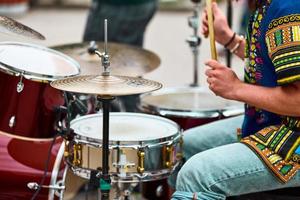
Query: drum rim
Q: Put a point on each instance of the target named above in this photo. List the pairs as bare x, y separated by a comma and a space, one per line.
130, 143
227, 111
32, 75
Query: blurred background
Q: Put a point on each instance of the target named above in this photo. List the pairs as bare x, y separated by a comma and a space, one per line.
63, 22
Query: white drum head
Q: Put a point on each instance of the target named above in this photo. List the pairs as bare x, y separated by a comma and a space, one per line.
36, 62
188, 99
125, 127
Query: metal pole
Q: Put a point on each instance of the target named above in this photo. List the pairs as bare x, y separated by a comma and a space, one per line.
105, 182
229, 19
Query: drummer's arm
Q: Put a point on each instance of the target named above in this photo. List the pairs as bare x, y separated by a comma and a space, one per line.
283, 99
223, 33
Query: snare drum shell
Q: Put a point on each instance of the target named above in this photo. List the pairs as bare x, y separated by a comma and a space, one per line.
158, 154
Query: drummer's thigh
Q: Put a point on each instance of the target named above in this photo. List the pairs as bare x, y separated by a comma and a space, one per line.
228, 170
211, 135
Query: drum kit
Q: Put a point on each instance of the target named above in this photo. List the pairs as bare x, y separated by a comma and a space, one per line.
119, 149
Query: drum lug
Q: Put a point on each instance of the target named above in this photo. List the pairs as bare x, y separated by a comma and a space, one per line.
66, 152
20, 85
141, 161
12, 121
168, 151
179, 154
77, 155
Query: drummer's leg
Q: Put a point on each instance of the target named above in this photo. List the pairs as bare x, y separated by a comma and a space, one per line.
228, 170
208, 136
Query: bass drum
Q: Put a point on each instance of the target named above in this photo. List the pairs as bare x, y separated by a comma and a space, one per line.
28, 102
189, 106
22, 160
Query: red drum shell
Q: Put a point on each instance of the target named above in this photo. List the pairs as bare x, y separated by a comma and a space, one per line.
22, 160
33, 108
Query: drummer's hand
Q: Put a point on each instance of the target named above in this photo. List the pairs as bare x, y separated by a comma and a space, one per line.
222, 80
223, 33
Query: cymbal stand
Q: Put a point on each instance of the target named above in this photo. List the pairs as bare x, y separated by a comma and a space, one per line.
194, 41
229, 20
105, 181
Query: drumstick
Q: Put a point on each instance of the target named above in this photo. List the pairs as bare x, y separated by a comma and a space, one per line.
211, 30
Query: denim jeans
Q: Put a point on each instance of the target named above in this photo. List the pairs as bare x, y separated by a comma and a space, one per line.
218, 166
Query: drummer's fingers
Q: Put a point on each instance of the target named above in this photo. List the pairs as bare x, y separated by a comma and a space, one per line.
213, 64
210, 80
209, 72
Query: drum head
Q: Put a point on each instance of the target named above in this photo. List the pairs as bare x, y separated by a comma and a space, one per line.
35, 62
197, 102
125, 127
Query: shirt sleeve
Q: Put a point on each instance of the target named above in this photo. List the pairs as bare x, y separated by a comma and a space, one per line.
283, 43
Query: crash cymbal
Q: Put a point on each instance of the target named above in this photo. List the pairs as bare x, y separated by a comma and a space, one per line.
106, 85
124, 59
10, 26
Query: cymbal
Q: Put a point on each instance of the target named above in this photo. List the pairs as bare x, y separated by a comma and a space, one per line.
106, 85
8, 25
125, 60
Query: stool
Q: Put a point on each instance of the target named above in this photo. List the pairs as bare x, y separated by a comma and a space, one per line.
281, 194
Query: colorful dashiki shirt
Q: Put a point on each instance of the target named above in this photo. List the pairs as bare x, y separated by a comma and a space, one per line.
273, 59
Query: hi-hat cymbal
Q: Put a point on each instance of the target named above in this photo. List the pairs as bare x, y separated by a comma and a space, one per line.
8, 25
125, 60
106, 85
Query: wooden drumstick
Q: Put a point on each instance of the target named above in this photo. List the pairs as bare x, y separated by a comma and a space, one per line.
211, 30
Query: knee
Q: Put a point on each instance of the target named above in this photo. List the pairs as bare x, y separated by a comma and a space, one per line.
193, 176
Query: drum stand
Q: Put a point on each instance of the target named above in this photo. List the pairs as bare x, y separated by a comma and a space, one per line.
105, 182
194, 40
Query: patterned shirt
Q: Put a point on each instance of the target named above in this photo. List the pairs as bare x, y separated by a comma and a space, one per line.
273, 59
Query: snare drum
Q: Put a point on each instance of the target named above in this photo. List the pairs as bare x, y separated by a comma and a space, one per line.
22, 160
27, 100
142, 147
189, 106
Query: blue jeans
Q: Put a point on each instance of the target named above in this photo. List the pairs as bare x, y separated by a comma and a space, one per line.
218, 166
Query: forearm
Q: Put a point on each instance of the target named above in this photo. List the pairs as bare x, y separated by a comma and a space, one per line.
283, 100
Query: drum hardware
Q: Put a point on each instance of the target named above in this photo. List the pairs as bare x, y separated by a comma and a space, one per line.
75, 102
229, 20
141, 161
106, 87
12, 121
20, 85
168, 151
122, 165
77, 155
36, 186
194, 41
8, 25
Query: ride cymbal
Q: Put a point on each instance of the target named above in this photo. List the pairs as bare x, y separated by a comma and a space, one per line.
106, 85
125, 60
8, 25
